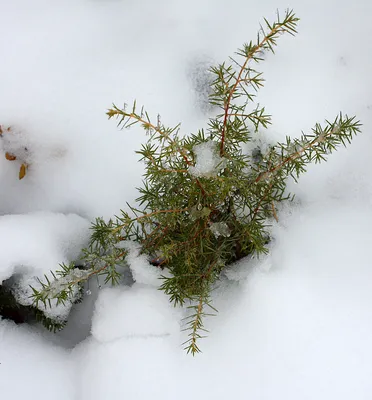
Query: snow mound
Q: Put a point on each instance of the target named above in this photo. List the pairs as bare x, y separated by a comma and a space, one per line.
146, 368
34, 244
138, 311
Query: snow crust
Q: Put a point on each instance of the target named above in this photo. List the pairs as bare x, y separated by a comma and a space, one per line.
294, 325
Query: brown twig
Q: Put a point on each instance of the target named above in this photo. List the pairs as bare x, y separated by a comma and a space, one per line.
238, 81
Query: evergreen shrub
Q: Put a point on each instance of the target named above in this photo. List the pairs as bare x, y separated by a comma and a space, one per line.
204, 202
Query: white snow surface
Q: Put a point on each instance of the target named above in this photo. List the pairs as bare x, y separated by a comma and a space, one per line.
138, 312
294, 325
32, 368
35, 243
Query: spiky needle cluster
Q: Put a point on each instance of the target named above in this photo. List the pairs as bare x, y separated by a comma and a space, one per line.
194, 219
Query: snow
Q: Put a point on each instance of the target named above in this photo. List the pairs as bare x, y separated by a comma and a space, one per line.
137, 312
134, 368
33, 368
142, 271
35, 244
293, 325
208, 162
220, 229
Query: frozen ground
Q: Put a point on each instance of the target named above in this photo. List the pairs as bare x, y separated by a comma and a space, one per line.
297, 325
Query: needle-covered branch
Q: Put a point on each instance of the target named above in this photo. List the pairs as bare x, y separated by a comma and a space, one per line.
293, 155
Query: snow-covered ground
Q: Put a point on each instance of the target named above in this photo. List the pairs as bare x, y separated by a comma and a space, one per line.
294, 325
